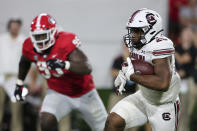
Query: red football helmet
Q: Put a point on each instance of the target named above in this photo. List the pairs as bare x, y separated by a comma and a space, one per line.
43, 32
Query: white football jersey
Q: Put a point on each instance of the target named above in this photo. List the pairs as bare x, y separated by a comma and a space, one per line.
160, 47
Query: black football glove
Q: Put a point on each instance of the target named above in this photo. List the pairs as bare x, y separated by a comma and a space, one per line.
55, 63
20, 92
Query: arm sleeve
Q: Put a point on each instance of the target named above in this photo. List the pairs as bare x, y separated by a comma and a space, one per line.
24, 66
162, 49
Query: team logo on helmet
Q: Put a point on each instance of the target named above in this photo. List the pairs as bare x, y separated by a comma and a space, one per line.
151, 19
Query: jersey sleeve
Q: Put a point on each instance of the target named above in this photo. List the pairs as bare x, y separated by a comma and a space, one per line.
27, 48
72, 42
162, 49
76, 41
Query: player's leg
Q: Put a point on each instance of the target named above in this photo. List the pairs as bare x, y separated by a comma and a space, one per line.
48, 122
114, 122
65, 123
164, 117
54, 107
129, 112
93, 110
113, 100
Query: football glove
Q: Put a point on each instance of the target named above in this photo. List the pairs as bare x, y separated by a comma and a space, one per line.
54, 64
128, 70
120, 82
20, 92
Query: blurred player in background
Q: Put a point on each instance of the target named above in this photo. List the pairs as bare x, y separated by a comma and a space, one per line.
157, 100
10, 52
67, 71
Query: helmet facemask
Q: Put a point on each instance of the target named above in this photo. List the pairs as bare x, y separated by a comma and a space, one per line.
43, 39
131, 40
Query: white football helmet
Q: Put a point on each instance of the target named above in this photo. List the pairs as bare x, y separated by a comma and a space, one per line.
148, 21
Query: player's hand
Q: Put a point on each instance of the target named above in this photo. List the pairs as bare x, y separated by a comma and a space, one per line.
20, 92
128, 70
120, 82
55, 63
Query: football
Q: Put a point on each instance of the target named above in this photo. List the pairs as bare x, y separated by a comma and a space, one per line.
141, 67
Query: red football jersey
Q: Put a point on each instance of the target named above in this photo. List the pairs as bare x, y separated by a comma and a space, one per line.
62, 81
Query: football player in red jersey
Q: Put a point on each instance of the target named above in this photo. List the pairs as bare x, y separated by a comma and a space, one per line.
67, 71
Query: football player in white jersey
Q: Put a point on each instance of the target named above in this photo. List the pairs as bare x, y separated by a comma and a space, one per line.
157, 100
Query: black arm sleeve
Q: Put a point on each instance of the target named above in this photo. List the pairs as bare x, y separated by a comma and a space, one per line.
24, 66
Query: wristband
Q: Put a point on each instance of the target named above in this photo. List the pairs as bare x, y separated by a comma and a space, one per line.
19, 82
67, 65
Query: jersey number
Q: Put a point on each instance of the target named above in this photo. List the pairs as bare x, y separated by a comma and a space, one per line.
42, 67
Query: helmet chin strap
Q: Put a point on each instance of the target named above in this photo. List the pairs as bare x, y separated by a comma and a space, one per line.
155, 35
140, 44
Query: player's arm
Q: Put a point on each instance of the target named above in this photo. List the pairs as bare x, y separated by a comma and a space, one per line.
79, 62
24, 66
160, 80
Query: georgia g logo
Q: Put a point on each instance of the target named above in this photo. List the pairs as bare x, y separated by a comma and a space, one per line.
151, 19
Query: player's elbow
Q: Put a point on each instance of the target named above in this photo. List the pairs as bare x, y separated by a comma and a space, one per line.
88, 69
164, 87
